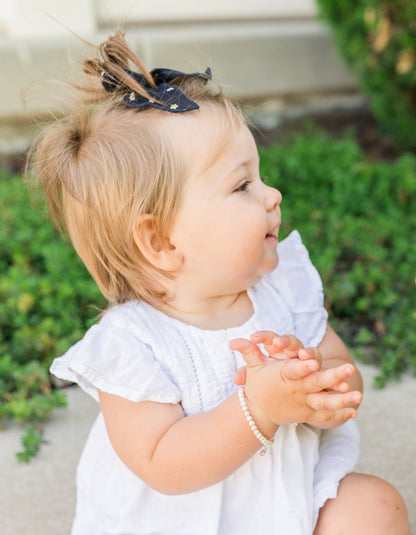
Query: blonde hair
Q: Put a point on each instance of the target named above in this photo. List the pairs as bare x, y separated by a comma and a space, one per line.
103, 165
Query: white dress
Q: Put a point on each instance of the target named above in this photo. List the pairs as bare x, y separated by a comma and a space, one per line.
139, 353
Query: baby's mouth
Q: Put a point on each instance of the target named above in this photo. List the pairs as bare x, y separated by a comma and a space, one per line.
270, 236
274, 233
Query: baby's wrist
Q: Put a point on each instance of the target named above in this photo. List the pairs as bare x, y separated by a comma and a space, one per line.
262, 426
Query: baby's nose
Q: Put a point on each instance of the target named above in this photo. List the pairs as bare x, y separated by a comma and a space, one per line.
273, 199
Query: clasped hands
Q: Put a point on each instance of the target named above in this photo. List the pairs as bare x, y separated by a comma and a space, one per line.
289, 384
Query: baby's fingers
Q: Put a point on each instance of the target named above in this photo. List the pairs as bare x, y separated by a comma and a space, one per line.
249, 351
343, 386
240, 376
328, 378
310, 353
340, 415
321, 401
287, 343
276, 344
294, 369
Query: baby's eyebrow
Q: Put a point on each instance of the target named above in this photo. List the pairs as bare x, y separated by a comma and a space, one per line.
236, 169
242, 165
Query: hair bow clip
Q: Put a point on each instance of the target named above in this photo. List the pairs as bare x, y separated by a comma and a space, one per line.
164, 96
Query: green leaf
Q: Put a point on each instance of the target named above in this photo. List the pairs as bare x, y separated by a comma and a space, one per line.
31, 442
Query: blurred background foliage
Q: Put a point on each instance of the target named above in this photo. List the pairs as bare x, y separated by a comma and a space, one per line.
378, 40
47, 301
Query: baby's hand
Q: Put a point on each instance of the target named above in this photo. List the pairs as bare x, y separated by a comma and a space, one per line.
292, 390
279, 347
286, 346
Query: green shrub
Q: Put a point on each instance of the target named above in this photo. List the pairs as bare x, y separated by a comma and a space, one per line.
358, 221
46, 299
378, 40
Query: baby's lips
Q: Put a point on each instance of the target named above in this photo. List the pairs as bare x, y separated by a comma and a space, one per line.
275, 230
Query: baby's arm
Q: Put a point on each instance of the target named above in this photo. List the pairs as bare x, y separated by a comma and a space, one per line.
175, 454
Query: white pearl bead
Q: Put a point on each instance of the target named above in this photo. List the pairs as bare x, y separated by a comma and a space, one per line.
265, 441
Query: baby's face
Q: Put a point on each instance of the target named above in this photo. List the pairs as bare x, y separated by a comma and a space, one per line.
227, 222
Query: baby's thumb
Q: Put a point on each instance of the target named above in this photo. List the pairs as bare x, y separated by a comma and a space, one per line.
249, 351
240, 376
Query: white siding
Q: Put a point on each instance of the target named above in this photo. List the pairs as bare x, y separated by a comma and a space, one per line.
256, 48
195, 10
46, 19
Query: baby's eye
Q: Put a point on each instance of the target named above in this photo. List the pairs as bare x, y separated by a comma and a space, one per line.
243, 186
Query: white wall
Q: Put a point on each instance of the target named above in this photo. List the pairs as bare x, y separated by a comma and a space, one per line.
194, 10
48, 18
256, 48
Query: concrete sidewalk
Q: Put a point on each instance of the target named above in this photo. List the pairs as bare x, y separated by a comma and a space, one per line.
39, 498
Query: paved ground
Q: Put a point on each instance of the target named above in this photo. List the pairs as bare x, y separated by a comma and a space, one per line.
38, 499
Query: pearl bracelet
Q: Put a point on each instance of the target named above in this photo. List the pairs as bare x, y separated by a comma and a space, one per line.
242, 398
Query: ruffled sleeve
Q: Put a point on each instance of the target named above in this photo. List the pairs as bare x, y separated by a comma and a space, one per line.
300, 285
117, 362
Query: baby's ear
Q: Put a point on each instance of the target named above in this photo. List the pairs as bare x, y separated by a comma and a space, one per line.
160, 253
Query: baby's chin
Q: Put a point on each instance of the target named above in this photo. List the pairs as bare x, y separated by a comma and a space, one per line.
273, 265
276, 263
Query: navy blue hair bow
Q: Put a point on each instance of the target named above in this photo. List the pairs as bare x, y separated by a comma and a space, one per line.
166, 97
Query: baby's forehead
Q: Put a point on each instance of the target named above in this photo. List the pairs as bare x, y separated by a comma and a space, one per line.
204, 135
210, 120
